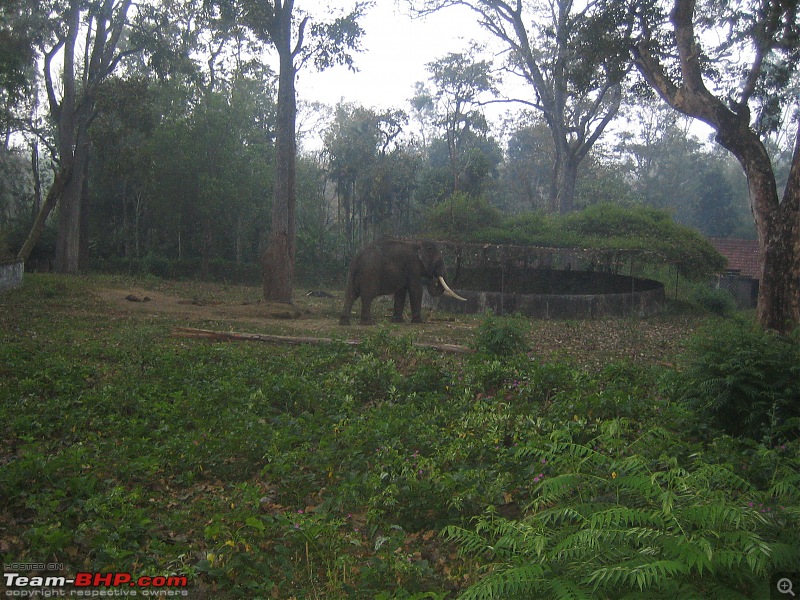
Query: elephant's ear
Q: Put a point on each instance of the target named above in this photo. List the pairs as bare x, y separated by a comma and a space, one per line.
426, 253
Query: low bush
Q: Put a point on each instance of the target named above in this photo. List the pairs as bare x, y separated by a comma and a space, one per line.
502, 335
651, 233
161, 266
743, 380
717, 301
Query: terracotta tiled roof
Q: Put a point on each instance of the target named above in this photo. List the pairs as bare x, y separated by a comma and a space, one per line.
743, 256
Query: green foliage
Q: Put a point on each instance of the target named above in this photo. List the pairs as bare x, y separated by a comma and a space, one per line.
650, 232
331, 471
744, 380
161, 266
462, 214
373, 176
459, 81
194, 173
715, 300
370, 378
608, 523
502, 335
609, 221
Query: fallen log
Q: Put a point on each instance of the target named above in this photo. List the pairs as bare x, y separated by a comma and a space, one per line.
232, 336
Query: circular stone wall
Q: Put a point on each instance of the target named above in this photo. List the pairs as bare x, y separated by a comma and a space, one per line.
554, 294
11, 272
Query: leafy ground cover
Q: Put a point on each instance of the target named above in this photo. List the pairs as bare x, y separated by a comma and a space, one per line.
567, 467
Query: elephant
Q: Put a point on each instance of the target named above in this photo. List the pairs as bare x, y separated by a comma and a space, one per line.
395, 266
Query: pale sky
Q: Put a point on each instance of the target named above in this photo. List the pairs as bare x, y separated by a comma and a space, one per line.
396, 50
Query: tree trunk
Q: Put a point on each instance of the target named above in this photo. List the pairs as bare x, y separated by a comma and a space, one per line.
564, 180
72, 114
239, 242
278, 260
68, 237
37, 179
83, 242
54, 193
71, 216
777, 222
126, 227
778, 226
778, 291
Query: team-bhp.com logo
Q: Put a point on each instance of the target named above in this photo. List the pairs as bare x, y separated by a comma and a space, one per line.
93, 585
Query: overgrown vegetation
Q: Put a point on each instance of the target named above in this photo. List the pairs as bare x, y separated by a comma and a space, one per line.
502, 336
384, 471
745, 381
611, 518
715, 300
652, 232
461, 214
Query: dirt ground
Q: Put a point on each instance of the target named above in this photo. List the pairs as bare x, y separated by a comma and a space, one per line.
239, 308
137, 300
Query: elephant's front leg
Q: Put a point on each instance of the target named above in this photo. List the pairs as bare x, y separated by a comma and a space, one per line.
399, 305
415, 297
349, 299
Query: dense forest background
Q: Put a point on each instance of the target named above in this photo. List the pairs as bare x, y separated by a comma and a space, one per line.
182, 157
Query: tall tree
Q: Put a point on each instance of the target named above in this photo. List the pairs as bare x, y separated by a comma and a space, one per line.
278, 23
459, 79
572, 56
668, 167
529, 159
351, 144
743, 112
372, 172
86, 37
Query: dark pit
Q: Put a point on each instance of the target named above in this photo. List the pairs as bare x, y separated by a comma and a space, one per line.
554, 294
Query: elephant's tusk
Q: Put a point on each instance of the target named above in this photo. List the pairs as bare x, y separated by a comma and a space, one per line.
448, 291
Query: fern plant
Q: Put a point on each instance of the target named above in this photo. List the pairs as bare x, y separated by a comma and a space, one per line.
610, 521
744, 380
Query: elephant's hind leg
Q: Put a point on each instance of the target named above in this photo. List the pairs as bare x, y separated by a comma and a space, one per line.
366, 315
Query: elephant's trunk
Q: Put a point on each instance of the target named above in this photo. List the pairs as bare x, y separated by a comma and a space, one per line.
448, 291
